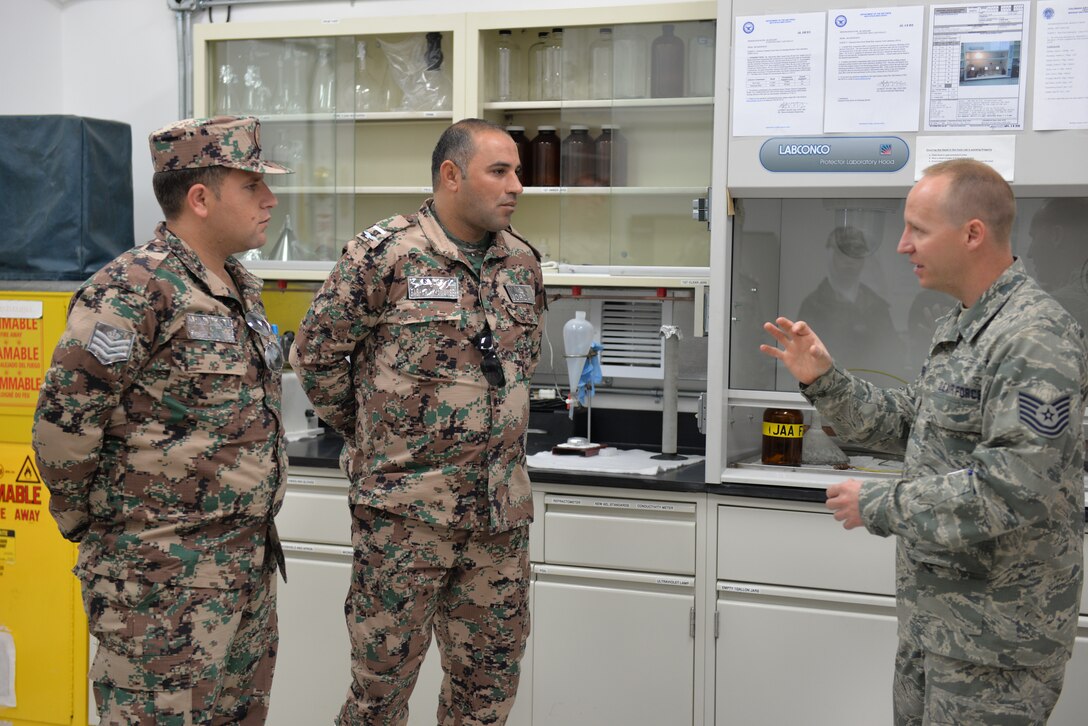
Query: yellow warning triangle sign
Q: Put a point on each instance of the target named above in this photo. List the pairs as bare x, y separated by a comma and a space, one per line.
28, 474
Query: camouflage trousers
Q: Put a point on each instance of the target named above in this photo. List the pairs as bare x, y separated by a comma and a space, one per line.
471, 589
176, 656
932, 690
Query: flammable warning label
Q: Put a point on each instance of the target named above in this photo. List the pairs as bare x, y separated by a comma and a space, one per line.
23, 495
22, 358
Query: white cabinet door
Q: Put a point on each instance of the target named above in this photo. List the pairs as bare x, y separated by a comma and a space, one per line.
796, 656
611, 648
313, 668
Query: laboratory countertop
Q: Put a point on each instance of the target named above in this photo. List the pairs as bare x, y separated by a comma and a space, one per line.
786, 484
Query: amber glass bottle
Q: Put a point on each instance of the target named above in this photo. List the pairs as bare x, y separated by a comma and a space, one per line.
517, 133
544, 150
783, 429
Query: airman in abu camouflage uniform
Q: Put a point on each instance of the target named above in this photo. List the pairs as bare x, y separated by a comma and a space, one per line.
419, 350
158, 433
989, 511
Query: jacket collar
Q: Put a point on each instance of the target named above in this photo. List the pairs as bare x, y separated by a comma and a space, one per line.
248, 285
434, 233
969, 322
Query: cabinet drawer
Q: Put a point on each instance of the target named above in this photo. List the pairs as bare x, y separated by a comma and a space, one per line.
802, 549
316, 512
630, 534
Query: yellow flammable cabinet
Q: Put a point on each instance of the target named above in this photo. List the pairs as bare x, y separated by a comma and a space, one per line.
43, 629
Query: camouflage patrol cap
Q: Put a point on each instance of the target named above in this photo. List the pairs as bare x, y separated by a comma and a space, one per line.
192, 143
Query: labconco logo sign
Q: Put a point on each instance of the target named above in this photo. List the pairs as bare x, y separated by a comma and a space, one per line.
846, 154
804, 149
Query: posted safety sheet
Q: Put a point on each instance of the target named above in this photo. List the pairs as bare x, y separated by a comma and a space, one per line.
977, 60
874, 69
779, 75
1061, 94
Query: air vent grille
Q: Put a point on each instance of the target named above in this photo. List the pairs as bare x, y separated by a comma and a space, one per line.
630, 333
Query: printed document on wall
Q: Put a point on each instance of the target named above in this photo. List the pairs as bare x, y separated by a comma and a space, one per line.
1061, 93
977, 64
778, 86
874, 69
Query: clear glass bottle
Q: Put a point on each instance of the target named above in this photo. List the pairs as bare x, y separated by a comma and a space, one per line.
783, 432
517, 133
229, 90
600, 65
545, 155
629, 62
576, 158
506, 71
701, 61
294, 77
536, 67
323, 88
667, 64
258, 95
553, 66
369, 93
610, 157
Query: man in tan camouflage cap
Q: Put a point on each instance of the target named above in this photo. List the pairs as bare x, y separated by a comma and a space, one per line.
988, 515
158, 433
419, 350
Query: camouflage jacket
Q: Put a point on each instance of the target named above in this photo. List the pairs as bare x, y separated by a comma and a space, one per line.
158, 425
386, 357
989, 512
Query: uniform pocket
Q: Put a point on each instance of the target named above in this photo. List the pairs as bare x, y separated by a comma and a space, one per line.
138, 643
425, 341
205, 380
957, 414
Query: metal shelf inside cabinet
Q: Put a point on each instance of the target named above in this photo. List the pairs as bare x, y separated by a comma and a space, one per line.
612, 191
599, 103
298, 271
351, 116
529, 191
351, 190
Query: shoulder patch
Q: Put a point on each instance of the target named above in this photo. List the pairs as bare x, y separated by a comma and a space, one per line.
1046, 418
376, 234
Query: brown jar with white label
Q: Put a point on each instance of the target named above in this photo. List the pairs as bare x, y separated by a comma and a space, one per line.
783, 431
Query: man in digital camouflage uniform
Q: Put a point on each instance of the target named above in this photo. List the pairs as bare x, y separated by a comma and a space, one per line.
419, 350
989, 511
158, 432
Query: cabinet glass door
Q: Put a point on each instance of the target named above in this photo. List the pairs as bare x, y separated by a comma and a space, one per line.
355, 116
643, 88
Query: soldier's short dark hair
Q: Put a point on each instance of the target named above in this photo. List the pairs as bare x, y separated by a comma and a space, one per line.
171, 187
457, 144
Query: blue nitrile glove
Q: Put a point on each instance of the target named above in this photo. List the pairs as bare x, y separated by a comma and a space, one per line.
591, 373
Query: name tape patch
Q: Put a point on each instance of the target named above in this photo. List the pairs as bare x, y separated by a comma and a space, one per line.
434, 288
520, 294
210, 327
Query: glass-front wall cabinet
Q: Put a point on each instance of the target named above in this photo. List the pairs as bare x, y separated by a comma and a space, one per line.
620, 115
627, 110
354, 114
